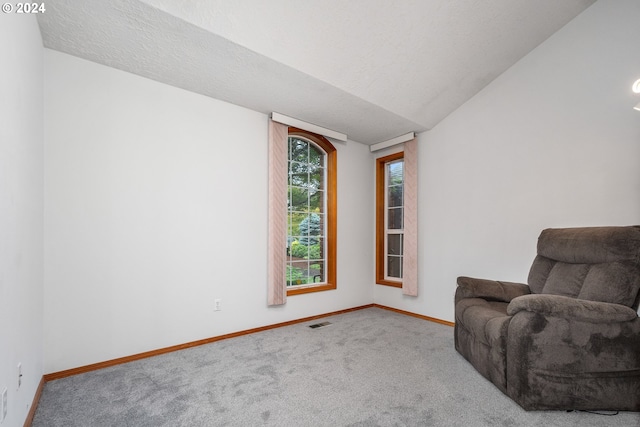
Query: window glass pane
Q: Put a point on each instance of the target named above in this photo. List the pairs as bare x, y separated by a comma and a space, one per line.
290, 224
298, 250
394, 265
295, 273
316, 201
293, 226
298, 199
395, 218
310, 229
322, 234
316, 251
315, 179
394, 244
316, 157
395, 195
298, 150
297, 177
316, 272
313, 272
395, 172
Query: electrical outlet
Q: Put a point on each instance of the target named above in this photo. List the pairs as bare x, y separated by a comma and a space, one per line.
19, 375
3, 412
216, 305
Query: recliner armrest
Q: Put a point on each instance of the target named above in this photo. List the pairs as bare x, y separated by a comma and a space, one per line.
470, 287
572, 308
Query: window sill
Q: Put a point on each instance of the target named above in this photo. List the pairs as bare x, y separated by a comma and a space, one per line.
389, 283
310, 288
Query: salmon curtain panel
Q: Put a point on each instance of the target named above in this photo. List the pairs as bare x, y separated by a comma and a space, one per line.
410, 247
277, 250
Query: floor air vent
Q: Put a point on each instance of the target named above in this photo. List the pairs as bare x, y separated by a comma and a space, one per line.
319, 325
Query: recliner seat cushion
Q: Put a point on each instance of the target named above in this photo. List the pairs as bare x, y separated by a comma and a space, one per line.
485, 320
481, 337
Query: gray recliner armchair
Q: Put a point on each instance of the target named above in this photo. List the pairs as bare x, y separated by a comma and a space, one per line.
570, 339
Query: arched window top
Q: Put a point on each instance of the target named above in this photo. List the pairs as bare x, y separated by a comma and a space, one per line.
318, 140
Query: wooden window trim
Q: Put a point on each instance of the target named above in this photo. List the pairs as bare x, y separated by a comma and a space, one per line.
332, 209
380, 228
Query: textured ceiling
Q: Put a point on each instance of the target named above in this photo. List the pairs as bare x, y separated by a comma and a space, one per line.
373, 69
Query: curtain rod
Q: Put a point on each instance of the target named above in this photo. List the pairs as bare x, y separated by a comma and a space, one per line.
393, 141
290, 121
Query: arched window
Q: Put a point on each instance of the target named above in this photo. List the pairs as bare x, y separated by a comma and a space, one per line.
311, 213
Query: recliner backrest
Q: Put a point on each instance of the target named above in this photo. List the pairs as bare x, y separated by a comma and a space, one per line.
591, 263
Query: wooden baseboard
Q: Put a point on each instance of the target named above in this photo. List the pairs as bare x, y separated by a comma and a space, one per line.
118, 361
100, 365
34, 404
419, 316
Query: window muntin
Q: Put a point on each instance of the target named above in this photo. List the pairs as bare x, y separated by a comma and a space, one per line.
311, 212
389, 219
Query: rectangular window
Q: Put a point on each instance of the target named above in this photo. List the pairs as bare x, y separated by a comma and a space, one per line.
389, 219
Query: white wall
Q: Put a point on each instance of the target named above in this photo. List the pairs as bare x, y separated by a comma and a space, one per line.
155, 205
155, 198
21, 192
553, 142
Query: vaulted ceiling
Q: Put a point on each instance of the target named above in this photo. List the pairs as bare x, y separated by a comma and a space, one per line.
373, 69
